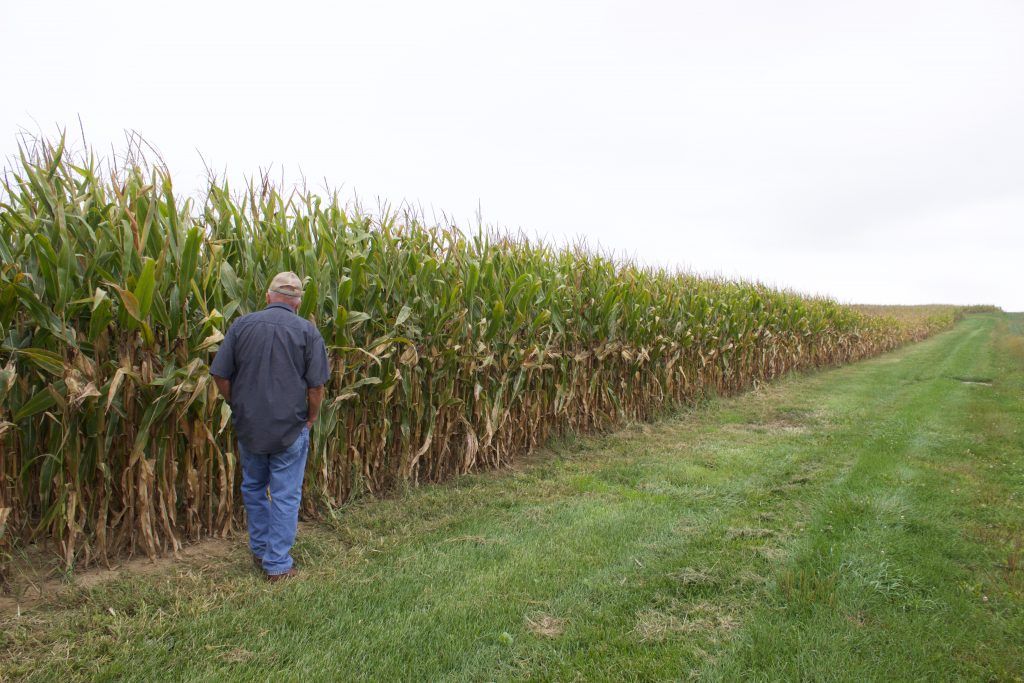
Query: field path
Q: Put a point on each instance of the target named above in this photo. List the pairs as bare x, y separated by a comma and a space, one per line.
857, 524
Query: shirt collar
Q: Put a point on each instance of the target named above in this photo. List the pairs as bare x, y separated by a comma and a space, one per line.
280, 305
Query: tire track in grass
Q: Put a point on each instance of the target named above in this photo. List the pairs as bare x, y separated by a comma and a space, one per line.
876, 591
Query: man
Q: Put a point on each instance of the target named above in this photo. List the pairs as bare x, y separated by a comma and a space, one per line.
271, 369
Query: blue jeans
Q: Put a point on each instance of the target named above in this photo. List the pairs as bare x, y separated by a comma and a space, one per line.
274, 519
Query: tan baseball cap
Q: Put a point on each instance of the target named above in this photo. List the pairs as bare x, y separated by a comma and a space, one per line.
287, 283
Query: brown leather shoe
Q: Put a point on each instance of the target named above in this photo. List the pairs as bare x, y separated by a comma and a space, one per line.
291, 573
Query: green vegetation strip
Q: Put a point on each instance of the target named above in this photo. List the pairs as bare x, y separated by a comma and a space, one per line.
857, 524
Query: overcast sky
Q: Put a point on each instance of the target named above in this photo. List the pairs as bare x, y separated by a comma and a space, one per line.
871, 150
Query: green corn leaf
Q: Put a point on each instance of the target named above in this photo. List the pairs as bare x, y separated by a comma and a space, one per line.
145, 288
230, 282
309, 300
189, 258
403, 315
340, 318
58, 155
102, 314
154, 412
356, 317
129, 301
148, 337
45, 360
497, 318
40, 401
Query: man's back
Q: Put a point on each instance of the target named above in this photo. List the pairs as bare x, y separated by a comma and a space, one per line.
272, 357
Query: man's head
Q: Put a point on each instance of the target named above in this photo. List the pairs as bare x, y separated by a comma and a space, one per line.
285, 288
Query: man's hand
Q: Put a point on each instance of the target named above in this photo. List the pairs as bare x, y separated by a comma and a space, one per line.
224, 385
314, 396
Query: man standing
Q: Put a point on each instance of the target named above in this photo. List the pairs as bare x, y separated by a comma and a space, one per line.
271, 369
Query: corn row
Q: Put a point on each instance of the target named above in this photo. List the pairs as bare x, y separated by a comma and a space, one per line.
450, 351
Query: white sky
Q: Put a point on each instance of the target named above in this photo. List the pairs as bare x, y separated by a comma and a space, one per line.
871, 150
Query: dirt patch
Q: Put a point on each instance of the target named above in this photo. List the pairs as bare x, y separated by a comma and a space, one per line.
546, 625
212, 550
652, 625
983, 381
694, 577
36, 579
858, 619
769, 552
771, 428
655, 625
749, 532
236, 655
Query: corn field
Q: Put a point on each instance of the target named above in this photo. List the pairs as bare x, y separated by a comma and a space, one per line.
449, 352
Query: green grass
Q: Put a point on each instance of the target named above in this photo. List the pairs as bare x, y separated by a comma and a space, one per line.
856, 524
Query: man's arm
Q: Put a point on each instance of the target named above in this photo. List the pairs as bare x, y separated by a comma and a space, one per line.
317, 373
314, 397
224, 385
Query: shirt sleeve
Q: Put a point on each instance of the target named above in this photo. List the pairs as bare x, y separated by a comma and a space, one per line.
223, 364
317, 370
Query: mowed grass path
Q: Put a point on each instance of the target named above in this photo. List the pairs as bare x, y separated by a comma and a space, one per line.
856, 524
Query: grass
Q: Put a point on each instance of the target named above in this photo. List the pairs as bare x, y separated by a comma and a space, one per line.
857, 524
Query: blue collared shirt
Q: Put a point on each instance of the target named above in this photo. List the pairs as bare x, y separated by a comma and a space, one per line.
271, 358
